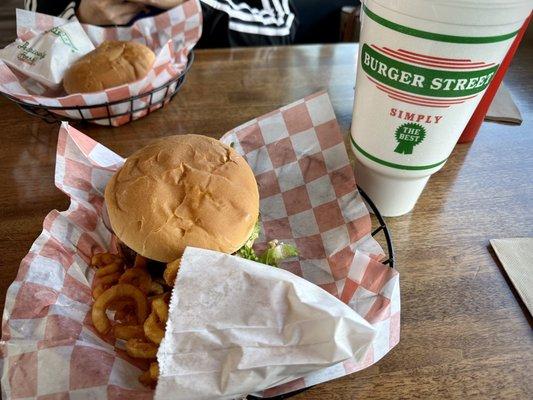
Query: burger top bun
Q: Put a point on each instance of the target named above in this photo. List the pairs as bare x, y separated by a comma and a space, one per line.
179, 191
113, 63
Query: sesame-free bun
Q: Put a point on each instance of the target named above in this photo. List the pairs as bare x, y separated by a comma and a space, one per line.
111, 64
179, 191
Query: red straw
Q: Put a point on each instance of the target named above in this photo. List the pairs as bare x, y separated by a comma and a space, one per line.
473, 125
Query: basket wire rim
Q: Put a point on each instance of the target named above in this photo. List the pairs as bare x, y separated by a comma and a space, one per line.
181, 75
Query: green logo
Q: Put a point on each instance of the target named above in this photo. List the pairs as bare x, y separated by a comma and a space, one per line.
416, 79
64, 36
408, 136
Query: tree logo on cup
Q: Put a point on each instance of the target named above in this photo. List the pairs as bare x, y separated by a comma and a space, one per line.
408, 136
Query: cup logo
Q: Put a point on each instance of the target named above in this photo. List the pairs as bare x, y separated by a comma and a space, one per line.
425, 80
408, 136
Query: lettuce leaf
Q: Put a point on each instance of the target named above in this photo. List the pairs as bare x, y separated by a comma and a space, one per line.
276, 252
253, 237
273, 255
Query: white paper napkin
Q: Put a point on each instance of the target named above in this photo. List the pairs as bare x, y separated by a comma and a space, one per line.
48, 55
503, 108
516, 256
283, 328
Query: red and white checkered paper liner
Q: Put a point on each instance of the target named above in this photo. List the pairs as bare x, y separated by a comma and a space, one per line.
308, 197
171, 35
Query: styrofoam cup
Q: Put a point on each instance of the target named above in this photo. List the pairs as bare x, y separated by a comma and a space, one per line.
423, 67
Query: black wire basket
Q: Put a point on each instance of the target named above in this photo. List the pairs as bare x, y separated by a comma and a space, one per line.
127, 109
381, 228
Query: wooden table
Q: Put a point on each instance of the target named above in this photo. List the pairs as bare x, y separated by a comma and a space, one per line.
464, 334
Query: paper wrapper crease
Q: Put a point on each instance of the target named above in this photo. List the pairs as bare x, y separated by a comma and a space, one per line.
308, 198
236, 326
171, 35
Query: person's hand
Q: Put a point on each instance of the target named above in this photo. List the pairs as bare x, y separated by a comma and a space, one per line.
108, 12
163, 4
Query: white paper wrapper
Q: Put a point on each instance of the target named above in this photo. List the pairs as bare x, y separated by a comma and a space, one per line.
236, 326
47, 56
171, 35
308, 197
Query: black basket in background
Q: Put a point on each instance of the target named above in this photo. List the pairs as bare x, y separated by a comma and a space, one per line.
130, 108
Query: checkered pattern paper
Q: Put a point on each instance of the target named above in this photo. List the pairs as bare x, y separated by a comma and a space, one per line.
308, 196
50, 350
171, 35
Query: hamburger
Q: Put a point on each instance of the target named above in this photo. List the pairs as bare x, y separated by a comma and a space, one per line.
187, 190
176, 192
111, 64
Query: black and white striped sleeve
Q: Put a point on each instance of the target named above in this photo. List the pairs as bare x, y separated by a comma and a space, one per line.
59, 8
70, 11
250, 22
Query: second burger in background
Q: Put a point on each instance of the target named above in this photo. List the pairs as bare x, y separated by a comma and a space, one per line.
111, 64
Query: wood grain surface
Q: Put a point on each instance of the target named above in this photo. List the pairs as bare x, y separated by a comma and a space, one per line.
8, 23
464, 331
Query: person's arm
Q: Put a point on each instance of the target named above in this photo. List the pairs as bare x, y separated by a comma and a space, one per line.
108, 12
161, 4
96, 12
